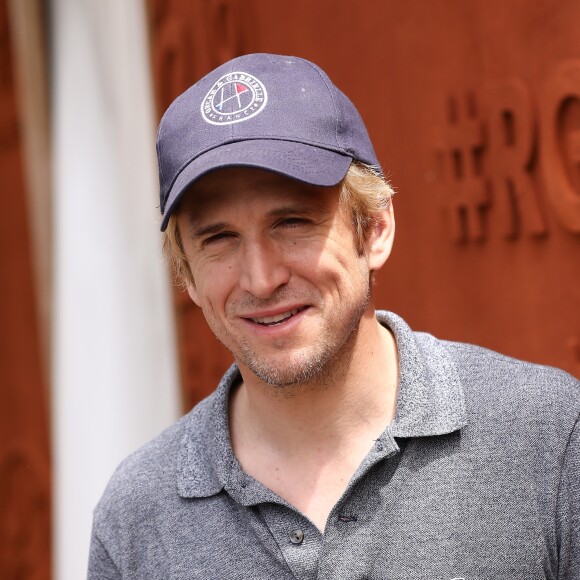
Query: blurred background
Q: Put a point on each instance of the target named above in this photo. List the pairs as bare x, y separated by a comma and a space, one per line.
474, 110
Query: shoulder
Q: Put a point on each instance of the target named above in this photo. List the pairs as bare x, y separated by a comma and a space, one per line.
505, 375
497, 391
148, 476
523, 394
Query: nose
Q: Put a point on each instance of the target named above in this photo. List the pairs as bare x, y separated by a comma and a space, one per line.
263, 270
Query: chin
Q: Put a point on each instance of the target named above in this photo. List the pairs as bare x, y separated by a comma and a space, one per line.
300, 368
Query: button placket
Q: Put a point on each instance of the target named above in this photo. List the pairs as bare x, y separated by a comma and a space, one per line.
298, 539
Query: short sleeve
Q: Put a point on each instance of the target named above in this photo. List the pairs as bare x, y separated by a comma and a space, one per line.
101, 565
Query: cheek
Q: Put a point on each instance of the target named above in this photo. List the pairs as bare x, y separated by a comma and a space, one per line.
338, 272
341, 254
213, 285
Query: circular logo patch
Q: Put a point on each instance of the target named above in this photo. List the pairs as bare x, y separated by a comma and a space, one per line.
235, 97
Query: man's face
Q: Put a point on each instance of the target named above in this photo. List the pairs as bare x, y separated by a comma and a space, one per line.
275, 271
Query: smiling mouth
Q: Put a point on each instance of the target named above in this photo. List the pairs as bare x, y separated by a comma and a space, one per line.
278, 318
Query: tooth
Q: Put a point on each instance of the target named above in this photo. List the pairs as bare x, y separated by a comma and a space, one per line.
275, 318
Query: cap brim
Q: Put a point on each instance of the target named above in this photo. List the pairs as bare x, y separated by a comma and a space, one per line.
299, 161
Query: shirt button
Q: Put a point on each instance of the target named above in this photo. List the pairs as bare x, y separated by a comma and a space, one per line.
296, 536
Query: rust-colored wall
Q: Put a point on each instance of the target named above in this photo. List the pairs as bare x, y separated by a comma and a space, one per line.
474, 109
24, 443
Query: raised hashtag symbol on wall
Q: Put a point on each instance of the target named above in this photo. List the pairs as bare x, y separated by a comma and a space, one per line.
466, 192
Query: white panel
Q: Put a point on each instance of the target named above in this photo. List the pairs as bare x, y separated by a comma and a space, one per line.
114, 371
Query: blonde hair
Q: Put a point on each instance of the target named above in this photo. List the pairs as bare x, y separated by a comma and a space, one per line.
364, 193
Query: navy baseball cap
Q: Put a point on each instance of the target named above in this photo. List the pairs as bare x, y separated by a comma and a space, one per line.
272, 112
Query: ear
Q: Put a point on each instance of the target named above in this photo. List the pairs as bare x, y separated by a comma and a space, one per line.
380, 241
193, 294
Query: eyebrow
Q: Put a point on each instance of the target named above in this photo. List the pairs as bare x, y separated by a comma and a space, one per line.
295, 208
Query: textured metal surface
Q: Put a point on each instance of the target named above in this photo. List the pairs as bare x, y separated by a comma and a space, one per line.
474, 109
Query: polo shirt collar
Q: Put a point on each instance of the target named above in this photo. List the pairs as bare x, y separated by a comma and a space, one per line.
206, 461
430, 401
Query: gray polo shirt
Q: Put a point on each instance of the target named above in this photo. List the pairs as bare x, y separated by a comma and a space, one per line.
477, 477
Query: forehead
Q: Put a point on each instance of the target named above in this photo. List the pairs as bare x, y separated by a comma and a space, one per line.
230, 188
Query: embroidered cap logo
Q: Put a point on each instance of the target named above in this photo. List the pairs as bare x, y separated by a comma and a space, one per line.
235, 97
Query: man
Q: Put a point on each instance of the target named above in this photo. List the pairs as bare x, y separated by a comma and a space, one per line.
340, 445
